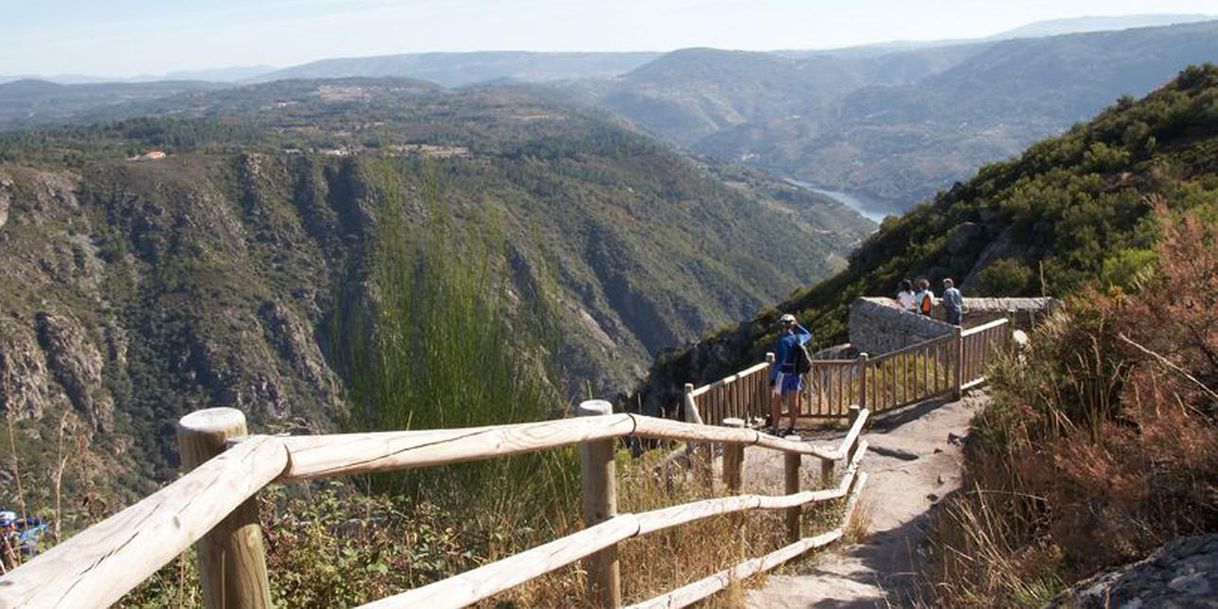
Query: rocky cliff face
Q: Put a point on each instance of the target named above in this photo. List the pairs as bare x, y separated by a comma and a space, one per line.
136, 292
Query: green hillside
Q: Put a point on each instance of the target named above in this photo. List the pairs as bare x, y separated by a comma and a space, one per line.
1069, 212
136, 291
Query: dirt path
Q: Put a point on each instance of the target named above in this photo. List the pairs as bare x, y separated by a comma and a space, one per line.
913, 460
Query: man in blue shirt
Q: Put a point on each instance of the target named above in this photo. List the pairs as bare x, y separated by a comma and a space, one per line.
953, 302
783, 378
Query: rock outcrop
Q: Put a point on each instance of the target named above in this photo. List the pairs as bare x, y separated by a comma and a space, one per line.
1183, 573
6, 199
76, 365
24, 389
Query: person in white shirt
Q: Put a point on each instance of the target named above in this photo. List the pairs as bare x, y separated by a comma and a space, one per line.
905, 295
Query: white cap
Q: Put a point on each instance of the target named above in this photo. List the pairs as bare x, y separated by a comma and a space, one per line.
787, 319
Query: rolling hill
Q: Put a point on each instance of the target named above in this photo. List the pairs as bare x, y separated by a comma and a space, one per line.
894, 128
458, 69
30, 102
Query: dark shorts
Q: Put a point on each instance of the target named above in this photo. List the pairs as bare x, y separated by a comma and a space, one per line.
790, 382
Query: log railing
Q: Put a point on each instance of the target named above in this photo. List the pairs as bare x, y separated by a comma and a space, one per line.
937, 367
206, 507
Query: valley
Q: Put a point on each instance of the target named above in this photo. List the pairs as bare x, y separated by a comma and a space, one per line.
215, 275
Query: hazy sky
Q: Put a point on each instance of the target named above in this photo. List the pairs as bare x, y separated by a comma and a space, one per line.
129, 37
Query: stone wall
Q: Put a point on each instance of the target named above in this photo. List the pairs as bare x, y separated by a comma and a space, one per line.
1024, 312
879, 325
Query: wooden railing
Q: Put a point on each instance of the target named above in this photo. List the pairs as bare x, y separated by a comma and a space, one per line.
980, 346
941, 366
910, 375
744, 395
831, 387
213, 507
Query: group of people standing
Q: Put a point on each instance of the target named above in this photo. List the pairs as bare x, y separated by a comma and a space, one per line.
923, 300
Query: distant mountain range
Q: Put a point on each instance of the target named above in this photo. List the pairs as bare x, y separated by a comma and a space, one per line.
457, 69
218, 75
885, 124
892, 129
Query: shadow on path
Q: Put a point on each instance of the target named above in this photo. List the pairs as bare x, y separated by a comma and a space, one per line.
914, 461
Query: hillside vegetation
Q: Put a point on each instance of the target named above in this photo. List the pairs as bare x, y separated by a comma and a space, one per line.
1070, 212
138, 291
1098, 445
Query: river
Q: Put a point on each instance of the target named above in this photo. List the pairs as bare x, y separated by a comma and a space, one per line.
856, 202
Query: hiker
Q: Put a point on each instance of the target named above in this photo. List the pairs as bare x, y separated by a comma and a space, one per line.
785, 377
925, 298
905, 295
953, 301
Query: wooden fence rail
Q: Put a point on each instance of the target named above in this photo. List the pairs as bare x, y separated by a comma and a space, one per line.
491, 579
96, 567
744, 395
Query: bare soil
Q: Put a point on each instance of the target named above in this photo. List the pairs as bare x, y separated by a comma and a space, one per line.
913, 461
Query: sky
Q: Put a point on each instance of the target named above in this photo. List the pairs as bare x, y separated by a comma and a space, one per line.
123, 38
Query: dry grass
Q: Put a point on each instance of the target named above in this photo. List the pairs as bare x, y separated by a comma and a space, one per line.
860, 523
660, 562
1101, 443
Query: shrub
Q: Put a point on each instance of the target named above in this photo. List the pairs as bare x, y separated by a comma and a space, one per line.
1006, 277
1101, 442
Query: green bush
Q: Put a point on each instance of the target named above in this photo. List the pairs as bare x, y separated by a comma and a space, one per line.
1006, 277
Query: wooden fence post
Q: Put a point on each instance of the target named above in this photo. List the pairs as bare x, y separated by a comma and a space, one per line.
855, 413
701, 454
768, 402
598, 475
733, 459
791, 485
232, 559
958, 389
690, 406
862, 364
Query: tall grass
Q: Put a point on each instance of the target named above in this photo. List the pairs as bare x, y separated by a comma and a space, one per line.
443, 341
